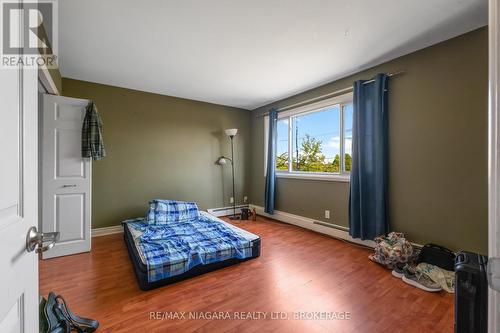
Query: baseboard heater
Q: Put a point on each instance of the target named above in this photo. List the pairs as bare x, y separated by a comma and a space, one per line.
333, 226
225, 210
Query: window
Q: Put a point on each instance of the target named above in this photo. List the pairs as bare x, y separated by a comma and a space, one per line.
282, 145
316, 140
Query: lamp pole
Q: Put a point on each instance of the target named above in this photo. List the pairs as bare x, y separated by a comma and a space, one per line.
230, 132
234, 217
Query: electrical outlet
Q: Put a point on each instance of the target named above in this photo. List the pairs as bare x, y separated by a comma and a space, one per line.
231, 200
245, 199
327, 214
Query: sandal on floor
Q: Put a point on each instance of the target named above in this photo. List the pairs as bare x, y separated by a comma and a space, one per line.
80, 324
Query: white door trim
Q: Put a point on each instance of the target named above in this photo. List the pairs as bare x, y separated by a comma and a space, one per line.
494, 159
47, 82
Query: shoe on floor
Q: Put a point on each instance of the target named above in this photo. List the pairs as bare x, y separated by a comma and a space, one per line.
420, 280
398, 271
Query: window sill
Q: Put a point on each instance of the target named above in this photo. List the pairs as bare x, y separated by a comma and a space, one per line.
321, 176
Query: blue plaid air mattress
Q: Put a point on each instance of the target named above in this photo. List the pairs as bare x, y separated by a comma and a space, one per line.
167, 253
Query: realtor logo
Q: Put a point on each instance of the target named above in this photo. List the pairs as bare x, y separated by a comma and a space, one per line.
29, 34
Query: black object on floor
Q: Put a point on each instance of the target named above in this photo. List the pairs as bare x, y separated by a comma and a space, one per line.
245, 213
56, 317
437, 255
471, 293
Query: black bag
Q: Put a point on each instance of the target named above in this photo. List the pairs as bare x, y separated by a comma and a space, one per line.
56, 317
471, 293
438, 256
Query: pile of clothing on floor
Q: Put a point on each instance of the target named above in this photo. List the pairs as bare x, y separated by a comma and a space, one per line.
430, 269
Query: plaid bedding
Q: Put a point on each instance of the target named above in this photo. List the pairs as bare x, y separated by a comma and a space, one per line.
174, 248
166, 211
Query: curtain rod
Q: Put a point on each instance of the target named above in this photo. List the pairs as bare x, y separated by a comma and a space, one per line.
325, 96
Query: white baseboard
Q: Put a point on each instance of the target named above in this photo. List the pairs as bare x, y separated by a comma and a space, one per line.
224, 211
307, 223
117, 229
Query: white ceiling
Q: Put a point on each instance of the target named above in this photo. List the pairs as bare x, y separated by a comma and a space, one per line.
247, 53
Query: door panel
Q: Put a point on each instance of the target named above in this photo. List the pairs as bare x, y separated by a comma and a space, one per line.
68, 158
68, 112
70, 217
18, 200
10, 133
13, 321
66, 176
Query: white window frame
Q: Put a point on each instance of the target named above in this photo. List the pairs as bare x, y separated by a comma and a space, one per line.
341, 101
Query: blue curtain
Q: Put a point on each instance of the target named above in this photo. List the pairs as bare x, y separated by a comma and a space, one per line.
369, 174
271, 162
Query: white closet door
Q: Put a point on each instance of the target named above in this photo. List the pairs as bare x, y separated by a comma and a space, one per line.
66, 184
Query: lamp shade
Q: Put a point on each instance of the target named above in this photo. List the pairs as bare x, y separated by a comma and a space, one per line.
231, 131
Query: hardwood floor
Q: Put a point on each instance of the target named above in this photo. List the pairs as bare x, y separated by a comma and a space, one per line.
298, 271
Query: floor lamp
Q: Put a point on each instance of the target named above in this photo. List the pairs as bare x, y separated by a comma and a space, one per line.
222, 160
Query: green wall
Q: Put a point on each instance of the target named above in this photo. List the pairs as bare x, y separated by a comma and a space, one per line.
161, 147
438, 148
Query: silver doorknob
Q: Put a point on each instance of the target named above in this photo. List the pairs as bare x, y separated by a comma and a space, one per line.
39, 241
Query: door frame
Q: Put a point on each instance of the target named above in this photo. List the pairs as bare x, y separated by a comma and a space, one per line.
46, 82
494, 156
